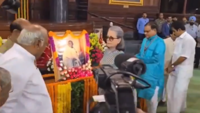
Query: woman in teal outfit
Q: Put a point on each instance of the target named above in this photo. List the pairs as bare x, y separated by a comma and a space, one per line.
152, 54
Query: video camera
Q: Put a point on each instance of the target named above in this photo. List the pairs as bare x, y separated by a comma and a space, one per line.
10, 5
117, 87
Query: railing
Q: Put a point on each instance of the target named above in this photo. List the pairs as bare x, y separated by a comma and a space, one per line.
106, 19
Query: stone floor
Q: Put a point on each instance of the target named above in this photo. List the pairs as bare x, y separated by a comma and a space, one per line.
193, 100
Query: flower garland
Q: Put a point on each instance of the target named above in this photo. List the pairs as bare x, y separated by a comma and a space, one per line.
64, 94
1, 41
96, 50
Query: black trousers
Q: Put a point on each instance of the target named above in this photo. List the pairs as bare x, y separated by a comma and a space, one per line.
197, 57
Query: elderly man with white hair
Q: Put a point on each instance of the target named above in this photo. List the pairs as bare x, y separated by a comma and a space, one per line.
5, 85
29, 93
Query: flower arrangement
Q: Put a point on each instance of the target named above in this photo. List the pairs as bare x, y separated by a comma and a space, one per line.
1, 41
96, 50
76, 72
103, 44
94, 41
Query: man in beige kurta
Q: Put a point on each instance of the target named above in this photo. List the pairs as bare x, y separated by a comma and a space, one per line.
15, 28
169, 43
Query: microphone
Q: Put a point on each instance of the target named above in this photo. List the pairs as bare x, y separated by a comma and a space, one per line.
127, 62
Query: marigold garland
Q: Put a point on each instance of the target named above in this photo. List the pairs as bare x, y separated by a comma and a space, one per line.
64, 98
77, 90
1, 41
76, 72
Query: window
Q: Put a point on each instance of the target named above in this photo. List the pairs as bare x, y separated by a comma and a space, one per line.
193, 7
172, 6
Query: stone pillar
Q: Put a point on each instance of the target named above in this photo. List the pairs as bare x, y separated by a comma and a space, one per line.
59, 11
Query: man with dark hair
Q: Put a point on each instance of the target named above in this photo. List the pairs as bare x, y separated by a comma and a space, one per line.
152, 53
15, 28
166, 27
5, 85
174, 19
140, 25
185, 21
159, 22
180, 69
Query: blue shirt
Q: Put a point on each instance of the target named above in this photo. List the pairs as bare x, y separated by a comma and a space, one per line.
141, 23
166, 29
154, 58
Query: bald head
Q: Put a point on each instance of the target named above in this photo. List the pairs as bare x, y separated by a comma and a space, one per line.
19, 24
5, 85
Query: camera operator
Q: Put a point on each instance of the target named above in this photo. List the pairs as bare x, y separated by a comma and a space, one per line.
152, 53
15, 28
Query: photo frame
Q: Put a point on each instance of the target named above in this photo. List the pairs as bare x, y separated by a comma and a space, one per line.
70, 52
127, 2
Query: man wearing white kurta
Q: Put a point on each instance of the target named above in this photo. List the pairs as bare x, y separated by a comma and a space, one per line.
29, 93
180, 69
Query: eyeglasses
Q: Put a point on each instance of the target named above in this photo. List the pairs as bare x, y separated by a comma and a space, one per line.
147, 31
110, 38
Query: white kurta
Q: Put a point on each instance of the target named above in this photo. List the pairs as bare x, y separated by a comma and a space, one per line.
179, 79
29, 93
192, 30
170, 45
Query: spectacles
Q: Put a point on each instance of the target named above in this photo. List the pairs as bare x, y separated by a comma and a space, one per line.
110, 38
147, 31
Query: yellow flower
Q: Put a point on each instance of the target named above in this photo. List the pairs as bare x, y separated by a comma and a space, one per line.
94, 42
1, 41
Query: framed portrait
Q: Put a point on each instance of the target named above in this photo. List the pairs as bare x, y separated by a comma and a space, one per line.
127, 2
70, 54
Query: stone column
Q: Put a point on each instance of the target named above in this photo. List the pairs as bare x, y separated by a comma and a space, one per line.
59, 11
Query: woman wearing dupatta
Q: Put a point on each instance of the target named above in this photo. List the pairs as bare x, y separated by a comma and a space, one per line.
152, 53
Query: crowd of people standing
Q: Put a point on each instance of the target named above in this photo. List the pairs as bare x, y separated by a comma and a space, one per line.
174, 57
164, 28
169, 62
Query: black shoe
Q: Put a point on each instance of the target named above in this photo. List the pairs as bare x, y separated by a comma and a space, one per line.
161, 103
